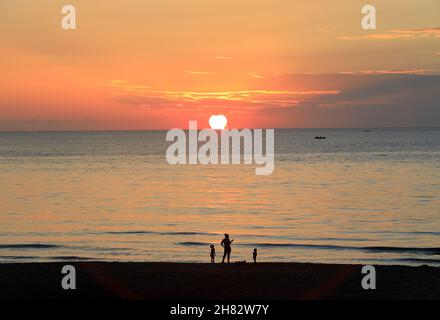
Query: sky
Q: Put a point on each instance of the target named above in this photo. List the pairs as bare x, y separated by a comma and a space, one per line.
146, 65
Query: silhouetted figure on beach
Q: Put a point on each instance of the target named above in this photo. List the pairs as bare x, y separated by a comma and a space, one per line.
226, 244
212, 253
254, 255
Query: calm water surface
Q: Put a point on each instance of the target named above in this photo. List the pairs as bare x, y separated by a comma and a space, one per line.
356, 197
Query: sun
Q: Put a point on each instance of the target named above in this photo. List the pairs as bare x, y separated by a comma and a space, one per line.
218, 122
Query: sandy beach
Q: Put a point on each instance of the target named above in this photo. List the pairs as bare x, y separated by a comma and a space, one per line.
185, 281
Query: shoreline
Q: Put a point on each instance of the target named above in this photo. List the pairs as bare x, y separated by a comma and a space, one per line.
204, 281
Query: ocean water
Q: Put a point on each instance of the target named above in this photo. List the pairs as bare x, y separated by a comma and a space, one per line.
356, 197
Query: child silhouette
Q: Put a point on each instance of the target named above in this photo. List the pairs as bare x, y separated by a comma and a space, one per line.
254, 255
212, 253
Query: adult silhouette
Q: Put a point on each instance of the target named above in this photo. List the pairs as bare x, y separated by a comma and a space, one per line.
226, 244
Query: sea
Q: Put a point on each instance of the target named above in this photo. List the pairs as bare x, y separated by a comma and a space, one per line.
358, 197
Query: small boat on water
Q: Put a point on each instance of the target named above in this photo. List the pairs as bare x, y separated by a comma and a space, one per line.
320, 138
367, 130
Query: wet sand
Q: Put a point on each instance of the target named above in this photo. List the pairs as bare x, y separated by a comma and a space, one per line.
185, 281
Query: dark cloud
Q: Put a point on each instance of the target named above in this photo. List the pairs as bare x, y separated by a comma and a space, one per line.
365, 99
370, 101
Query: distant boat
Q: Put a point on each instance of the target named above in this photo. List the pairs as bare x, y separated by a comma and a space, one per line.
367, 130
320, 138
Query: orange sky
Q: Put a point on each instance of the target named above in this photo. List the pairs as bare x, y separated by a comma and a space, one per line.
157, 64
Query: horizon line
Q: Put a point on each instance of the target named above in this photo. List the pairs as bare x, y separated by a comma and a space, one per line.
186, 129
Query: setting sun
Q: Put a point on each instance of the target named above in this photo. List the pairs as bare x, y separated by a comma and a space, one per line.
218, 122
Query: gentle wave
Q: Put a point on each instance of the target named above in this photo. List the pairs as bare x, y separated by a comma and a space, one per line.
72, 258
420, 260
183, 233
191, 243
19, 257
191, 233
167, 233
128, 232
29, 246
433, 251
431, 233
